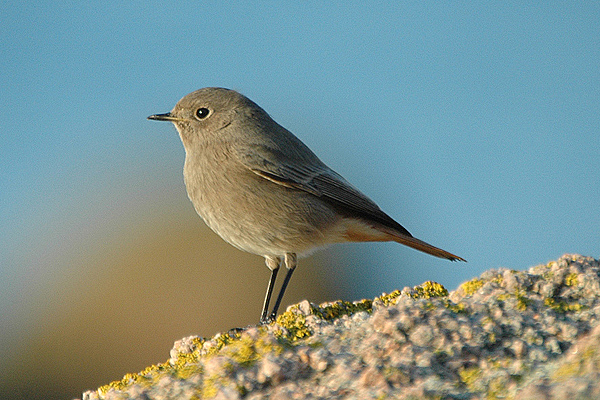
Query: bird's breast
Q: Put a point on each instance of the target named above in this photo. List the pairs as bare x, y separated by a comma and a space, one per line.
253, 213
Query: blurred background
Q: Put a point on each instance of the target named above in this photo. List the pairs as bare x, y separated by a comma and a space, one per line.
475, 126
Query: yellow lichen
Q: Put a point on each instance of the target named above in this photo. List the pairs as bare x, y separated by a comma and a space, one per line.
389, 299
522, 300
148, 375
577, 366
209, 387
457, 308
470, 376
571, 279
429, 290
246, 351
496, 389
331, 311
294, 324
472, 286
498, 279
222, 340
563, 306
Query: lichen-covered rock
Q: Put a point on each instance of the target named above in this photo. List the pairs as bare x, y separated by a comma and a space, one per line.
507, 334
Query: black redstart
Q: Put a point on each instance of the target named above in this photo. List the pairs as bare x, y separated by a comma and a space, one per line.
265, 192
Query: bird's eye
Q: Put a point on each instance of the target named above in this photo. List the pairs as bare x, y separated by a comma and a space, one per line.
202, 113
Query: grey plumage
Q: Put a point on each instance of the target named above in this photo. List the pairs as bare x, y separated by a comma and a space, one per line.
265, 192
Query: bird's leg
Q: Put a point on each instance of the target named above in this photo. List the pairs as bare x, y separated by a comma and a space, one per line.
290, 264
273, 264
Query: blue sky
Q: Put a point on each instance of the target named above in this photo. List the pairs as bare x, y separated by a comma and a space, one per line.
475, 125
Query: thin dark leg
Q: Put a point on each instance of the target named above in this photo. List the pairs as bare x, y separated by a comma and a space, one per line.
290, 263
273, 264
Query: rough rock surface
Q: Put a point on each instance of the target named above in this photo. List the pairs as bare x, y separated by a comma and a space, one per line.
508, 334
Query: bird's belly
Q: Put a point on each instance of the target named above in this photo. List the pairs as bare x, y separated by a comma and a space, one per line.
262, 217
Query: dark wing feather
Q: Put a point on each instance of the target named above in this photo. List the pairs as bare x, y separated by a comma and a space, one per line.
306, 172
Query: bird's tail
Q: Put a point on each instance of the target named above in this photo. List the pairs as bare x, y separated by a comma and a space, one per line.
358, 230
424, 247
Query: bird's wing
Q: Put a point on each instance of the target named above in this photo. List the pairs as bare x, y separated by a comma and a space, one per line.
311, 175
306, 172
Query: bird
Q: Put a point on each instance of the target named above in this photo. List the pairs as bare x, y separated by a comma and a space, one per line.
261, 189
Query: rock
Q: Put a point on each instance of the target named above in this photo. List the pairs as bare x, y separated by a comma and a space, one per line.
506, 334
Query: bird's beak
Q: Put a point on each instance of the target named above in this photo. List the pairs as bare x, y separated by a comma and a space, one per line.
163, 117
